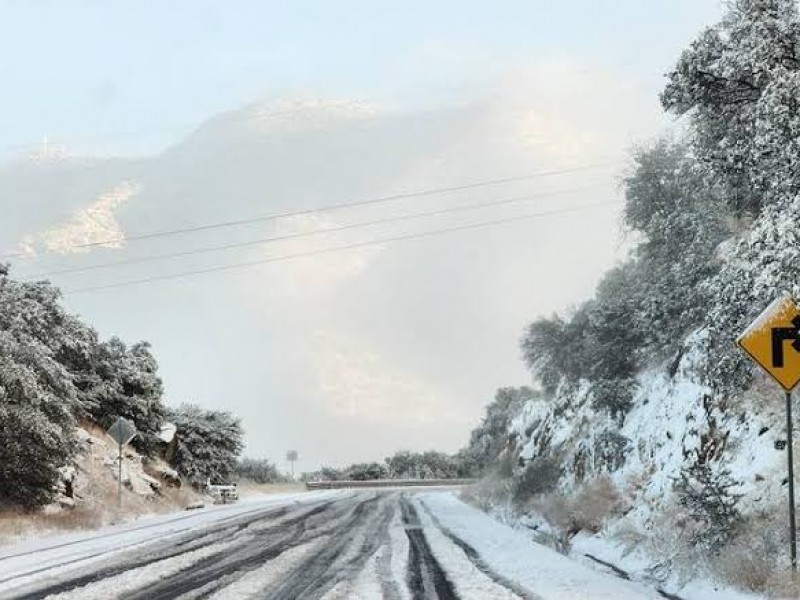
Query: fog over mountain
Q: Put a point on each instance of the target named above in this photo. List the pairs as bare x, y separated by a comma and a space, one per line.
365, 351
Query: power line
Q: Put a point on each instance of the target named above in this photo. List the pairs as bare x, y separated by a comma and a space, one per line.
302, 234
286, 257
344, 205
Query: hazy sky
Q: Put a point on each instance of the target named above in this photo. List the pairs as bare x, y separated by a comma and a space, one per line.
350, 355
134, 72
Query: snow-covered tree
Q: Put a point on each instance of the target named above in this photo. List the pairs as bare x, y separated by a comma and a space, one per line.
209, 443
490, 438
259, 470
117, 381
681, 220
739, 82
760, 266
37, 395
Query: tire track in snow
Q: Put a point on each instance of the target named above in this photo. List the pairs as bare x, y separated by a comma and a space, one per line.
155, 552
320, 572
213, 573
426, 578
475, 558
92, 573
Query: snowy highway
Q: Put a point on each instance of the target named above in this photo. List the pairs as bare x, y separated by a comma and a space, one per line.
394, 544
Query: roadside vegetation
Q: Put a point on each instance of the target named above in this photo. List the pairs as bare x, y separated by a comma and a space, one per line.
401, 465
56, 373
715, 214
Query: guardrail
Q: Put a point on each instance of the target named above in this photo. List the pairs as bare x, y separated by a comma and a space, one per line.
384, 483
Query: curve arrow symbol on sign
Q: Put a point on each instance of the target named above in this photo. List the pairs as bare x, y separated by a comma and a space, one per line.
784, 334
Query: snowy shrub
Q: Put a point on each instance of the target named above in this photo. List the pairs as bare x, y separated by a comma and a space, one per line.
749, 560
424, 465
594, 503
705, 492
610, 449
259, 470
585, 510
539, 477
209, 443
366, 472
614, 396
489, 492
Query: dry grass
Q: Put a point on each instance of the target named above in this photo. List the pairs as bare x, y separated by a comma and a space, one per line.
489, 492
587, 510
15, 524
594, 504
755, 559
783, 586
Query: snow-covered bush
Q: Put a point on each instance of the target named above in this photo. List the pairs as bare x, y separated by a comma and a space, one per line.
705, 490
259, 470
594, 503
366, 471
423, 465
539, 477
614, 396
610, 450
750, 560
209, 443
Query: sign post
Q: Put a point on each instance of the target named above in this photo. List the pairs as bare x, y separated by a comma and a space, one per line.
122, 432
291, 457
773, 342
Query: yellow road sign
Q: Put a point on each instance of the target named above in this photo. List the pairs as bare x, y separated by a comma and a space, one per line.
773, 341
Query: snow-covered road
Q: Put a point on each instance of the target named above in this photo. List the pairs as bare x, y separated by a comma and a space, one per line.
331, 545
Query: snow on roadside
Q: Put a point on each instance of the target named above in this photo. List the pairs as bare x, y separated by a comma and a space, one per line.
636, 565
469, 582
513, 555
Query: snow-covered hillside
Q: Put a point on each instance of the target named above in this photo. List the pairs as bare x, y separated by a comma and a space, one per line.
87, 490
670, 424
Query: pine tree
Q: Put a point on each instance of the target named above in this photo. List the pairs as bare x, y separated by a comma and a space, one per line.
706, 493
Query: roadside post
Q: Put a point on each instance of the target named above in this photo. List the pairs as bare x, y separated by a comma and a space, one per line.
122, 432
291, 457
773, 342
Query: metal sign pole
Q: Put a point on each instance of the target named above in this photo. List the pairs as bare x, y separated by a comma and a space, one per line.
119, 480
767, 340
792, 526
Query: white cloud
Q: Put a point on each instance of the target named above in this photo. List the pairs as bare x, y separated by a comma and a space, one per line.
358, 382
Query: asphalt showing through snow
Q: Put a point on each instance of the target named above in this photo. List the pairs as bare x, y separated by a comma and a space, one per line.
365, 544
